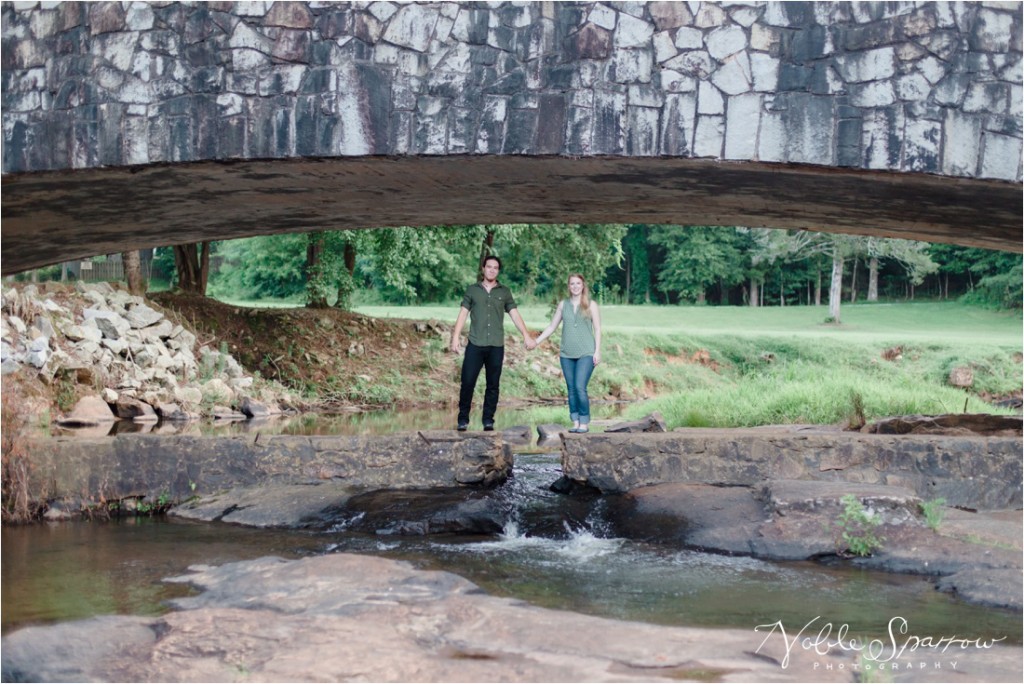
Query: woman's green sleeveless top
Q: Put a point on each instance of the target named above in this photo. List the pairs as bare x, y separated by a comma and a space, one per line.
577, 333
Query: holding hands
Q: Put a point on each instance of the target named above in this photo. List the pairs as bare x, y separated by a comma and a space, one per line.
531, 343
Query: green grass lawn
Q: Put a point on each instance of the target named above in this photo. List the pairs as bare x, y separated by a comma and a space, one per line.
876, 322
778, 365
740, 366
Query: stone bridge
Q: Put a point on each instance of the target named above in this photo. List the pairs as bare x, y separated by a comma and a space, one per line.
142, 124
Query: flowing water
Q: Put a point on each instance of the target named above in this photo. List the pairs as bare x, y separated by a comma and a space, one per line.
555, 552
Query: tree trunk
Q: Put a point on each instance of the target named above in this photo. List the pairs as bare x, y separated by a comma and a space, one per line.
853, 282
193, 268
629, 279
873, 280
132, 262
486, 249
64, 272
835, 291
701, 297
754, 296
945, 285
817, 284
782, 289
316, 296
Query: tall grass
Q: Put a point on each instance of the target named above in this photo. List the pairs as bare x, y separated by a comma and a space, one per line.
737, 366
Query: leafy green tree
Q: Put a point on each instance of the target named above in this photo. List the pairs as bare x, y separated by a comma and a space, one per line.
697, 258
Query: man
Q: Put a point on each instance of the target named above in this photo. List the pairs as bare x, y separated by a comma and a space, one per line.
486, 303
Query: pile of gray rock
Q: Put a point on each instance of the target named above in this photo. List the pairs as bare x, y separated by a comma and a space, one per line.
142, 365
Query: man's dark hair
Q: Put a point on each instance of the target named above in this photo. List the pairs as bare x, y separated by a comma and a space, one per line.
490, 257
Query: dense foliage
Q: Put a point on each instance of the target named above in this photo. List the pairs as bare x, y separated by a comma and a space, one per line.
627, 264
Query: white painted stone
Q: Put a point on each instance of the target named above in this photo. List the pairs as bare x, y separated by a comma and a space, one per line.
745, 16
664, 48
116, 48
443, 29
922, 139
913, 88
990, 98
707, 141
246, 37
675, 82
412, 27
962, 136
642, 131
709, 99
1001, 157
993, 30
632, 32
140, 16
725, 41
603, 16
742, 122
252, 8
764, 69
631, 66
689, 38
695, 63
869, 65
932, 69
775, 14
248, 59
382, 11
877, 135
450, 9
230, 104
1016, 101
282, 78
734, 77
763, 38
873, 94
709, 15
385, 53
644, 96
950, 92
944, 15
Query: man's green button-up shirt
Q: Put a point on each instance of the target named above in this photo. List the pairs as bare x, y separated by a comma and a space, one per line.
487, 313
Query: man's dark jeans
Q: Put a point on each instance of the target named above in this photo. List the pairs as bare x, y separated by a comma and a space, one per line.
476, 358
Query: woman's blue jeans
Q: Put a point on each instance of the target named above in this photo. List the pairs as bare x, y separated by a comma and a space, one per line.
577, 374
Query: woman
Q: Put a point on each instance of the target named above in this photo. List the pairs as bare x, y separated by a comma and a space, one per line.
580, 349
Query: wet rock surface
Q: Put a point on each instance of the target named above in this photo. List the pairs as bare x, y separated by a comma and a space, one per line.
343, 617
973, 471
976, 555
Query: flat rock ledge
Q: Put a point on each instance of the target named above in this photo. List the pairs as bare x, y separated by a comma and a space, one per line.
82, 472
977, 472
346, 617
974, 555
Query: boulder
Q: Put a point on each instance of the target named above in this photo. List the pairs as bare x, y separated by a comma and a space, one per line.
519, 434
131, 408
110, 324
170, 411
441, 510
142, 316
653, 422
253, 409
549, 434
216, 391
226, 413
77, 333
948, 424
89, 411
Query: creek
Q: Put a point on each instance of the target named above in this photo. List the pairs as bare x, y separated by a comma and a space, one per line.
555, 551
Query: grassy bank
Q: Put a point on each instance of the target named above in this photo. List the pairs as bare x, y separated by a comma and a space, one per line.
732, 366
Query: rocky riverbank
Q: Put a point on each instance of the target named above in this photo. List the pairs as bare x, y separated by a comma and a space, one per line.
91, 354
344, 617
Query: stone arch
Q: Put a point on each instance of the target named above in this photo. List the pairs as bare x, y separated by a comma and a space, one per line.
146, 124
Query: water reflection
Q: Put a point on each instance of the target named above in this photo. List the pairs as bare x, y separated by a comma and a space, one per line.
353, 422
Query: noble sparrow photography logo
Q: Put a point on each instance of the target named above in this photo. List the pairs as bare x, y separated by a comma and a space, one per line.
900, 649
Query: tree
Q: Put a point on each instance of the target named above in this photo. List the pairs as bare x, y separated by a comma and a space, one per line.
132, 262
698, 258
192, 263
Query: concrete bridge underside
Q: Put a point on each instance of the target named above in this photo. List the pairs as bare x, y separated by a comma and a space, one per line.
55, 216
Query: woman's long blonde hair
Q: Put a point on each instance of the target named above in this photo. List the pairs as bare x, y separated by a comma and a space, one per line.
584, 296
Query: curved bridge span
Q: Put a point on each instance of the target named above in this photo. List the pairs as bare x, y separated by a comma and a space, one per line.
144, 124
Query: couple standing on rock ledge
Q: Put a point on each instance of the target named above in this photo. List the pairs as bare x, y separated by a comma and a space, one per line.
486, 303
